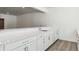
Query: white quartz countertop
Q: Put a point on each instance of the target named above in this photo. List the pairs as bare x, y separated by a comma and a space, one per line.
9, 35
12, 35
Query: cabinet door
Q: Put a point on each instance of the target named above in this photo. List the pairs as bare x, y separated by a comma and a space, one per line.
32, 45
29, 46
40, 43
46, 41
49, 40
54, 36
1, 48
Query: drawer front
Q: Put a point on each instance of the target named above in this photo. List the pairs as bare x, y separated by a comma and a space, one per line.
26, 47
14, 45
20, 48
25, 42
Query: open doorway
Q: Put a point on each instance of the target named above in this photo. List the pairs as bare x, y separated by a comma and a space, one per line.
1, 23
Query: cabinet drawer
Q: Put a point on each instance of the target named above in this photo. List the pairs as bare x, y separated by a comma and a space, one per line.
14, 45
25, 47
19, 48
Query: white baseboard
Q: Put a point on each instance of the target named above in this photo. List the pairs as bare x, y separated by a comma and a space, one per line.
72, 40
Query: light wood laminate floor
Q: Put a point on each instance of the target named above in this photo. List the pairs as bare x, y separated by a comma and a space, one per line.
61, 45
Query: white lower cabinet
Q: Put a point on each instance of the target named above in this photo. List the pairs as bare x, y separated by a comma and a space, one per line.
54, 37
39, 42
44, 41
48, 40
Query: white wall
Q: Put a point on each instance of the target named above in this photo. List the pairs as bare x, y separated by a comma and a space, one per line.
65, 21
9, 21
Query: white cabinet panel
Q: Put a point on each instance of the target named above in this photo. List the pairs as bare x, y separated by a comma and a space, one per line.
1, 48
50, 39
32, 45
40, 43
12, 46
54, 37
21, 48
22, 45
45, 39
46, 42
